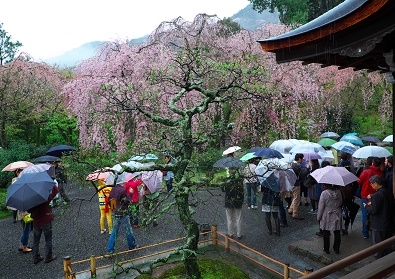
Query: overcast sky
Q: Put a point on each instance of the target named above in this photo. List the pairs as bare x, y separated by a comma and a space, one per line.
48, 28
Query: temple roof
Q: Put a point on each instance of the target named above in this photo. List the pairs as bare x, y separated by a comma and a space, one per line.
356, 33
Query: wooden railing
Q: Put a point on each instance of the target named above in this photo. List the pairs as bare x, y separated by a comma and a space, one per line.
282, 269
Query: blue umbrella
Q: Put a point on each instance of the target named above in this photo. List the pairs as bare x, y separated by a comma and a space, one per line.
29, 190
352, 139
264, 152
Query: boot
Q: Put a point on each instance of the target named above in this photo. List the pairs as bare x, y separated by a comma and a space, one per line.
277, 224
269, 226
289, 201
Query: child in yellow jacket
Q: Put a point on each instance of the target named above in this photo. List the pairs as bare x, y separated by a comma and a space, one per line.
104, 205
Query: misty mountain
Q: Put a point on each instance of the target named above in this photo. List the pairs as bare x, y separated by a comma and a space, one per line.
247, 18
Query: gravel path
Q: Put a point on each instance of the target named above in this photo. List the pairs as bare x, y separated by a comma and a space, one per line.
76, 233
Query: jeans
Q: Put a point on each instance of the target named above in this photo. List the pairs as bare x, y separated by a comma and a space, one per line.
169, 184
37, 231
365, 232
27, 227
251, 187
283, 215
125, 222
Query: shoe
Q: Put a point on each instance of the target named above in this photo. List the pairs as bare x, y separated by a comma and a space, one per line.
136, 247
337, 252
283, 225
136, 226
306, 204
110, 232
240, 237
277, 233
344, 232
297, 218
103, 231
290, 213
51, 259
27, 250
326, 251
37, 260
249, 207
313, 211
254, 207
319, 234
155, 223
365, 236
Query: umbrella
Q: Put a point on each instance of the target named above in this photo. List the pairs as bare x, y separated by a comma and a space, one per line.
108, 177
329, 135
371, 151
248, 156
153, 180
229, 162
17, 165
231, 150
39, 168
282, 146
326, 142
277, 180
310, 155
29, 190
389, 138
60, 150
47, 159
353, 208
268, 153
334, 175
344, 146
307, 146
144, 157
370, 139
130, 164
352, 139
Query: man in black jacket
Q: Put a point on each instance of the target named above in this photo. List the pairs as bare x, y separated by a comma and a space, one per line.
380, 207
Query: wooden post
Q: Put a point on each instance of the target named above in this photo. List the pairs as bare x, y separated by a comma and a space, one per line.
227, 243
66, 265
93, 267
286, 271
214, 234
307, 270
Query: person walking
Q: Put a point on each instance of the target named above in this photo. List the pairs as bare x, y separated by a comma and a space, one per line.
42, 224
104, 206
380, 207
61, 178
329, 216
300, 174
168, 176
234, 199
388, 171
251, 183
367, 189
121, 218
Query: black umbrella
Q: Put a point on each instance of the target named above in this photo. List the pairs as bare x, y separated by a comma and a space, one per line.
60, 150
229, 162
29, 190
370, 139
353, 208
47, 159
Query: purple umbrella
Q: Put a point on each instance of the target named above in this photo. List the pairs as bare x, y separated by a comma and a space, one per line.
334, 175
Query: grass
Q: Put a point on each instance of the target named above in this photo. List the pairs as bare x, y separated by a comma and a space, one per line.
209, 268
4, 212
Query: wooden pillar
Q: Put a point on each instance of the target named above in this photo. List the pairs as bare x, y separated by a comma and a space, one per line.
286, 271
93, 267
66, 266
214, 234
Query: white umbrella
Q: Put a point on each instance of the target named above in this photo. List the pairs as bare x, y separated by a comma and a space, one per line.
329, 135
334, 175
131, 164
153, 180
371, 151
389, 138
307, 147
282, 145
230, 150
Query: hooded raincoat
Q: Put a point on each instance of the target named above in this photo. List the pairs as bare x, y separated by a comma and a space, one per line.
329, 210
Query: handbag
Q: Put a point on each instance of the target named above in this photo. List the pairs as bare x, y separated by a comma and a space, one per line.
345, 212
27, 218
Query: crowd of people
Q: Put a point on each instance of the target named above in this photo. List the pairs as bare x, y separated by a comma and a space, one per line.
335, 206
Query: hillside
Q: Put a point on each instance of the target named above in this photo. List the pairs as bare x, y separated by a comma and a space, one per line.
247, 18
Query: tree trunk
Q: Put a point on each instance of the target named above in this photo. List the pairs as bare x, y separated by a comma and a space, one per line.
192, 231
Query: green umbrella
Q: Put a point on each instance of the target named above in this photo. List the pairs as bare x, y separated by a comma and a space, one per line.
390, 149
248, 156
326, 142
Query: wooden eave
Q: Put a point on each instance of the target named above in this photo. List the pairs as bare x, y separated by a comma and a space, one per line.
354, 34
